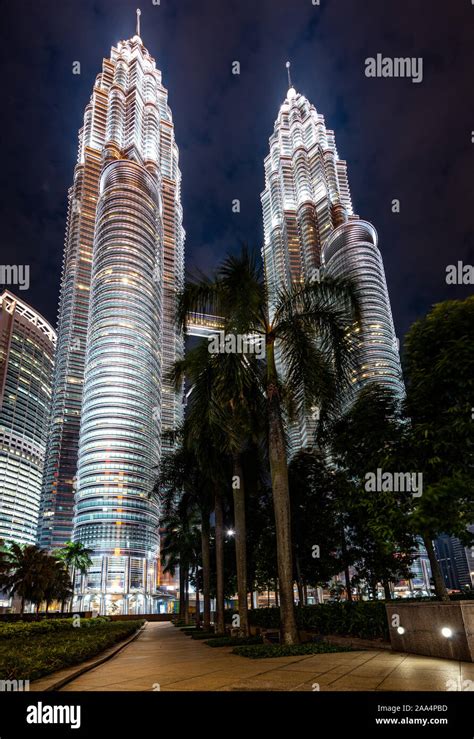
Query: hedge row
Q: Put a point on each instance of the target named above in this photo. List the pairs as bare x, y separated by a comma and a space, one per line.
363, 619
263, 651
47, 626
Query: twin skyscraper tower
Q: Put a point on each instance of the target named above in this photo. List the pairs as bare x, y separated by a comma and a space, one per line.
123, 265
117, 337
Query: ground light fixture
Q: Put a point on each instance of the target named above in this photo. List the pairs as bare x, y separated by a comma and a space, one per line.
447, 632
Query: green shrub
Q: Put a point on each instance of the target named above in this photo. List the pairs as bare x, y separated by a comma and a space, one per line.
284, 650
199, 635
234, 641
363, 619
49, 626
30, 655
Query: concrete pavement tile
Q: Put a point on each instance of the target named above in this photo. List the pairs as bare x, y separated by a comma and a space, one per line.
165, 656
350, 682
374, 670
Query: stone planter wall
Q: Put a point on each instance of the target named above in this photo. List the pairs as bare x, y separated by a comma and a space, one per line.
422, 625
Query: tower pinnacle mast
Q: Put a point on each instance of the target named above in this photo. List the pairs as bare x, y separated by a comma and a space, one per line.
139, 12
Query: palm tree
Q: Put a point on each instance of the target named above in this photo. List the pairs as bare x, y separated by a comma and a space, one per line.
205, 438
58, 583
4, 558
182, 477
310, 326
227, 397
28, 569
179, 545
76, 557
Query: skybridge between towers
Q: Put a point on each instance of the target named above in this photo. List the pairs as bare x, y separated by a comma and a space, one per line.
203, 324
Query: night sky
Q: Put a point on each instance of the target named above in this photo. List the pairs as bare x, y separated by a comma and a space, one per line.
401, 140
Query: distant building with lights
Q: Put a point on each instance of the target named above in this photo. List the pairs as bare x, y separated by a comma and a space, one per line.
309, 224
456, 562
117, 337
27, 344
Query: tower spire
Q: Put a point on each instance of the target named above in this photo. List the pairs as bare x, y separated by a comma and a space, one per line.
290, 84
139, 12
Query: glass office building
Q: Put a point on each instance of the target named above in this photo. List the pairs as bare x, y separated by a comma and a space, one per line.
27, 344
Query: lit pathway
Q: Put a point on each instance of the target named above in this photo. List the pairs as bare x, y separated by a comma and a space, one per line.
163, 658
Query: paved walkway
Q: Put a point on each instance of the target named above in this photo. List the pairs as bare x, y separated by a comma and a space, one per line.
163, 658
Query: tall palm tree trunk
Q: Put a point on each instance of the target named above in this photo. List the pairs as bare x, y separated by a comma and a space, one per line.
206, 571
198, 603
182, 603
281, 501
73, 577
219, 511
299, 580
440, 586
347, 576
186, 595
240, 542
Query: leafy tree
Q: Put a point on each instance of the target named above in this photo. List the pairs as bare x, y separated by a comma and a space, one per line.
315, 520
439, 375
377, 522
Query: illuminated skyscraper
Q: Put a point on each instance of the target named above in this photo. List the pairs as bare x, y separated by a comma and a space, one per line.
307, 215
124, 262
351, 252
26, 367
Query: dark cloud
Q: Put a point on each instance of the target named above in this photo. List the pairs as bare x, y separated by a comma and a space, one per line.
401, 140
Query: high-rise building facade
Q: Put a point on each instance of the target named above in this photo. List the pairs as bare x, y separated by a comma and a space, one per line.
309, 223
27, 344
351, 252
456, 561
123, 266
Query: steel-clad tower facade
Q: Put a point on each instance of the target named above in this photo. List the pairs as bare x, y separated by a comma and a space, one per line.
124, 263
307, 205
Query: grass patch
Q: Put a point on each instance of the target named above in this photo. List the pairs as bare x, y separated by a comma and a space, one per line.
31, 653
234, 641
285, 650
